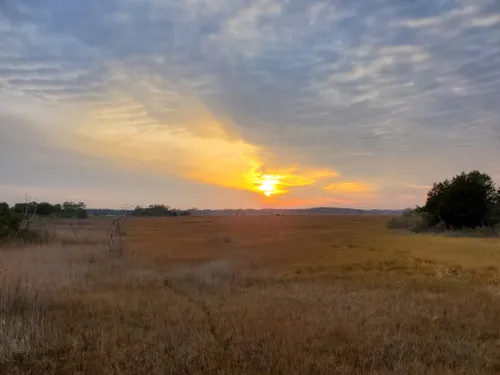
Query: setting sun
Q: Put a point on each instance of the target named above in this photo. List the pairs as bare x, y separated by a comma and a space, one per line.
268, 184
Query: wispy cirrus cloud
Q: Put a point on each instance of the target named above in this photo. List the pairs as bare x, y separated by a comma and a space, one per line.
251, 26
457, 13
147, 125
486, 21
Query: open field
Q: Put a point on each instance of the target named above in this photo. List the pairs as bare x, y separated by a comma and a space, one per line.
251, 295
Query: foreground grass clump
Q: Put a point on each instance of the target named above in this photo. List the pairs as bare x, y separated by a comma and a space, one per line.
287, 295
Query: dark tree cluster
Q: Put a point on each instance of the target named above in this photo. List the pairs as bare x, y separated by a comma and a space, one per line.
468, 200
158, 210
65, 210
72, 209
10, 221
17, 219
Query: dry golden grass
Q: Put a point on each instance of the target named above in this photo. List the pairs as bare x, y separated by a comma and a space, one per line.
253, 295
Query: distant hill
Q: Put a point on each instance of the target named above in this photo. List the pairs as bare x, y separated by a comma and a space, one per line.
265, 211
297, 211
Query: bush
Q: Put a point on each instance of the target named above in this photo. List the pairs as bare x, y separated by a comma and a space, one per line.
415, 221
74, 210
469, 200
409, 220
10, 222
12, 233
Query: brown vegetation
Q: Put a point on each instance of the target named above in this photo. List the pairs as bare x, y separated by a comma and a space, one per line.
252, 295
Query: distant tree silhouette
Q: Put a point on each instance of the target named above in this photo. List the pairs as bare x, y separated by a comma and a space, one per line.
45, 209
158, 210
66, 210
72, 209
469, 200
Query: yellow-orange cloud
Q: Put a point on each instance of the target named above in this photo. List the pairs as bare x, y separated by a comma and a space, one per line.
350, 187
147, 128
278, 181
184, 138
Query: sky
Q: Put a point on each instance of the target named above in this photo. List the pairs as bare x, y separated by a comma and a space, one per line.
238, 103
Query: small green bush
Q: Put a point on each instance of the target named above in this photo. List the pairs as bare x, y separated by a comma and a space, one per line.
411, 220
10, 222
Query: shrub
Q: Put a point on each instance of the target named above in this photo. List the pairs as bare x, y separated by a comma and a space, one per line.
403, 222
469, 200
10, 222
415, 222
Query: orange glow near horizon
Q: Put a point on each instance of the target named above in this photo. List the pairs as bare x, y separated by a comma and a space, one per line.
191, 142
276, 182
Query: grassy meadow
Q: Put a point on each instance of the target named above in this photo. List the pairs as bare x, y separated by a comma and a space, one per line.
250, 295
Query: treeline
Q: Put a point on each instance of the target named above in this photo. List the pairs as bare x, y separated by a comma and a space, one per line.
64, 210
158, 210
466, 201
16, 220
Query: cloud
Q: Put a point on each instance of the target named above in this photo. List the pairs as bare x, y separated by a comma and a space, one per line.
250, 26
419, 187
380, 77
487, 21
146, 126
224, 93
439, 20
349, 187
421, 22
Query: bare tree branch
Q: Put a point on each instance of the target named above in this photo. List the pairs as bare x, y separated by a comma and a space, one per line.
29, 206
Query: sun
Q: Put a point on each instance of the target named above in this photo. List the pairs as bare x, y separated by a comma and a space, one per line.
268, 184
